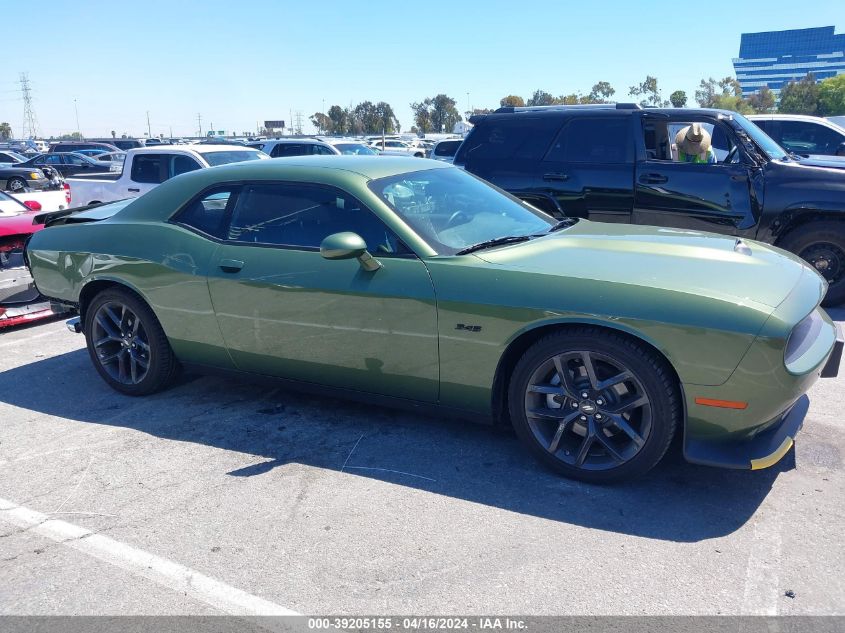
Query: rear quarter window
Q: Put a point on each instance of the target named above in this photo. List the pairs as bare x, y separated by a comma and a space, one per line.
509, 137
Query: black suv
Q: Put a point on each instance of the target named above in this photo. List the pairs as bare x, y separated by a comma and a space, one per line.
618, 163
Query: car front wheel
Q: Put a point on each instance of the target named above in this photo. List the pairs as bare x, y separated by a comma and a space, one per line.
594, 405
127, 344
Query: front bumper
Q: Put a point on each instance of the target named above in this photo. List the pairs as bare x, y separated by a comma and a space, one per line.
761, 451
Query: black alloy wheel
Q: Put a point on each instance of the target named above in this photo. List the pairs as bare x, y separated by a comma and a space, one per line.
822, 245
126, 343
594, 405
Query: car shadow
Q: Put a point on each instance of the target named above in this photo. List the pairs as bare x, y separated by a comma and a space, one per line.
676, 501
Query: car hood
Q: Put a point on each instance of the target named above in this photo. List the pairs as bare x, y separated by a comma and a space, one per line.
685, 261
816, 160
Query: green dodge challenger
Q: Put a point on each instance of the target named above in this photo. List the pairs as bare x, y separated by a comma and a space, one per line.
412, 282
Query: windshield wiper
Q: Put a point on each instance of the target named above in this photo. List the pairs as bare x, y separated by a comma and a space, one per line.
496, 241
563, 224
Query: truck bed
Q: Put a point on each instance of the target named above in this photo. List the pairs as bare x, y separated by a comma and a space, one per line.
106, 175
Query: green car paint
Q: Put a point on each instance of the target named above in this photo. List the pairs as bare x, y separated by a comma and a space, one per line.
442, 328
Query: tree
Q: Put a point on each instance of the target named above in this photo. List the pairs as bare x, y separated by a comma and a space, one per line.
832, 96
512, 100
339, 118
570, 99
541, 98
601, 92
5, 131
436, 114
73, 136
113, 134
800, 97
649, 93
444, 114
725, 94
678, 99
422, 115
321, 122
389, 122
762, 101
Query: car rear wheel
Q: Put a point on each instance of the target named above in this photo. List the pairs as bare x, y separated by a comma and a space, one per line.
16, 183
594, 405
822, 245
127, 344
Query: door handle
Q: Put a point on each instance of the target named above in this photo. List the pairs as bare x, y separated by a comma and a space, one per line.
230, 265
653, 179
135, 190
556, 176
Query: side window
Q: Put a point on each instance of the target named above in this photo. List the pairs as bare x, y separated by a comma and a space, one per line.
302, 216
208, 214
148, 168
606, 140
324, 151
182, 164
812, 138
514, 137
74, 160
289, 149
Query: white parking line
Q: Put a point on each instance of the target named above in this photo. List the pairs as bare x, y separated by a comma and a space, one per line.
165, 572
19, 341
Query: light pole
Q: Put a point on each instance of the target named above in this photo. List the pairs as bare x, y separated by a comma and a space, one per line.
149, 131
76, 111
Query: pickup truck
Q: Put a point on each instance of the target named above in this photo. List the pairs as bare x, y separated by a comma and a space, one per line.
57, 200
619, 163
145, 168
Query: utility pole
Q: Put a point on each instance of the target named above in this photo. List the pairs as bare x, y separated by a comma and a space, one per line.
199, 124
30, 125
76, 111
299, 122
149, 131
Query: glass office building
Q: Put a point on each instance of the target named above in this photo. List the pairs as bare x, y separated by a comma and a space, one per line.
775, 58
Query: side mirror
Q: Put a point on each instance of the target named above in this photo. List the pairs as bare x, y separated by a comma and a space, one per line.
348, 245
840, 151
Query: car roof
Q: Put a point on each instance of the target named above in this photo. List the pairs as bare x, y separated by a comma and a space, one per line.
202, 149
280, 141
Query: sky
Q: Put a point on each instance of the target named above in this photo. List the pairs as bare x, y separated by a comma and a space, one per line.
239, 63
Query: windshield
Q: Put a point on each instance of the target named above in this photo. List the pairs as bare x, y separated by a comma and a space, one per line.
451, 209
232, 156
17, 158
763, 140
355, 149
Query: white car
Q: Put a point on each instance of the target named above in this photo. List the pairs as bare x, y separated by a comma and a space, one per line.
800, 134
446, 149
145, 168
398, 147
350, 147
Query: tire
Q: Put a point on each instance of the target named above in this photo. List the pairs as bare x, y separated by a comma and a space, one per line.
822, 245
619, 431
121, 327
16, 183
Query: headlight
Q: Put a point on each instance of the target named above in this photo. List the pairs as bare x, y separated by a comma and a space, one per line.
802, 337
35, 176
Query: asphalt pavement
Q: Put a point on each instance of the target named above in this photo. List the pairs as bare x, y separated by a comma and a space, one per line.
220, 496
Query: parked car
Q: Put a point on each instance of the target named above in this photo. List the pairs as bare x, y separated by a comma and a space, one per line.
615, 164
145, 168
114, 159
74, 146
68, 163
121, 143
414, 282
8, 157
19, 300
350, 147
446, 149
16, 178
398, 147
91, 153
278, 148
805, 135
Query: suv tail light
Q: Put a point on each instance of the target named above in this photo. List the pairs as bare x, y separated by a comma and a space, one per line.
33, 205
66, 187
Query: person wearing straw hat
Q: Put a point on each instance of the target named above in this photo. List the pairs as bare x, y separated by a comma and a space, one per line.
694, 146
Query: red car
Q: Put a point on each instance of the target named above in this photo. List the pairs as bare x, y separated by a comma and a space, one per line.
19, 300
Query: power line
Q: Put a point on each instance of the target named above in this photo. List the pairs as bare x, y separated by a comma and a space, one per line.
199, 124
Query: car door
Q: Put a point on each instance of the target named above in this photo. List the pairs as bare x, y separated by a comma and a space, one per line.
589, 169
147, 171
707, 197
52, 160
75, 165
286, 311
